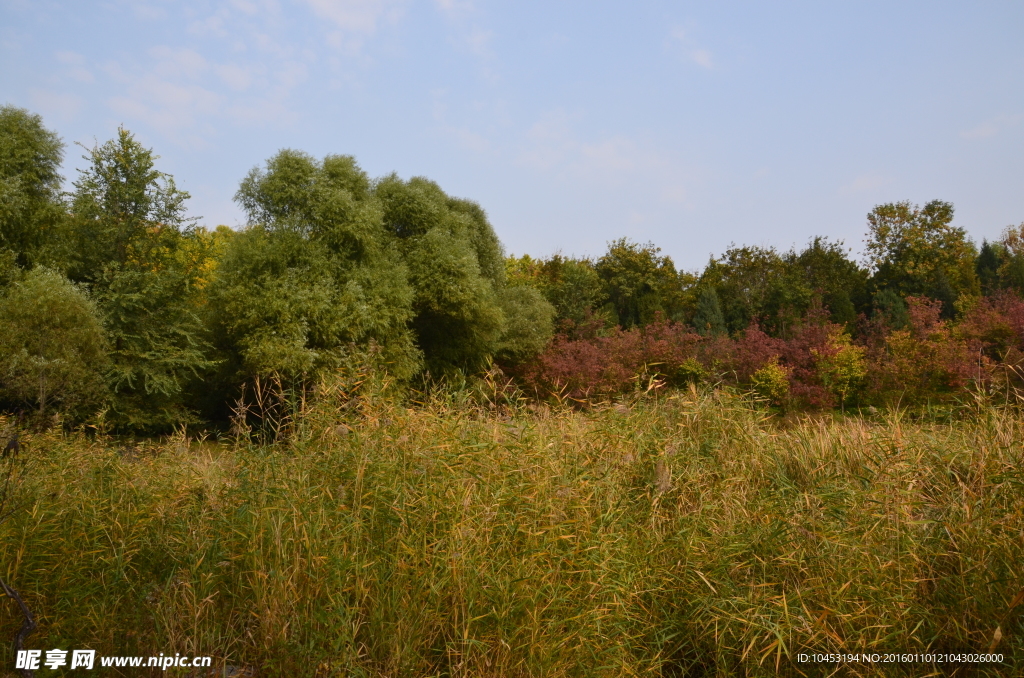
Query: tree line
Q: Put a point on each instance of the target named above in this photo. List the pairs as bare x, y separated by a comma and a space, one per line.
119, 307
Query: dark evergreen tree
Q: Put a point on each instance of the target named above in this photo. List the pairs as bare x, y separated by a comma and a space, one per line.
751, 284
987, 266
891, 309
708, 320
834, 277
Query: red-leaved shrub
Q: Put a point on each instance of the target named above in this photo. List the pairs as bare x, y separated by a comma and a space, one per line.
926, 361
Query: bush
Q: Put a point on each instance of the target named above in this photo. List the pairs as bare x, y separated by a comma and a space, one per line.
841, 365
927, 361
53, 350
771, 382
604, 366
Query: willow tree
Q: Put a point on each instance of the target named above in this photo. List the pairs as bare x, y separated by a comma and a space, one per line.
464, 311
311, 277
53, 350
31, 204
332, 263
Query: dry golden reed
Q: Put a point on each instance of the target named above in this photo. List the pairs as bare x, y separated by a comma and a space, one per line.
683, 535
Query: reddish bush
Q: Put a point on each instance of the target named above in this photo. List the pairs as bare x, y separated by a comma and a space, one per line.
930, 359
996, 323
751, 351
925, 361
600, 366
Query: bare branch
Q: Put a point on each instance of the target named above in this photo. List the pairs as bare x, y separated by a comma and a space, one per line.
27, 627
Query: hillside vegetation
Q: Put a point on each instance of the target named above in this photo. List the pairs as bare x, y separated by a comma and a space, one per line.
682, 534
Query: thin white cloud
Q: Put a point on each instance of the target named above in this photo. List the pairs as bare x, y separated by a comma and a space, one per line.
76, 66
702, 58
455, 6
681, 42
148, 12
466, 34
212, 26
549, 142
59, 105
179, 63
864, 183
617, 154
463, 136
991, 127
169, 107
355, 16
253, 7
552, 147
181, 94
469, 140
479, 41
235, 77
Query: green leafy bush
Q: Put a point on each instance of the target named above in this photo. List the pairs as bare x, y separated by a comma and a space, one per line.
53, 349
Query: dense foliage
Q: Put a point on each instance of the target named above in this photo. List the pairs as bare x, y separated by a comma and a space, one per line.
123, 311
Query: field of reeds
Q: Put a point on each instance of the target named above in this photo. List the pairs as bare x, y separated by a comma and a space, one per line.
684, 534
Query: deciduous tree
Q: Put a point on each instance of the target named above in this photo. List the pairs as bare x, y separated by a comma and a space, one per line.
31, 204
916, 250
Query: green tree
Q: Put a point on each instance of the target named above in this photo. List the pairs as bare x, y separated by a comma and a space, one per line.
31, 205
128, 229
753, 284
841, 365
640, 283
311, 278
1011, 267
917, 251
990, 258
529, 324
708, 320
462, 300
127, 214
53, 350
458, 319
572, 286
891, 309
833, 277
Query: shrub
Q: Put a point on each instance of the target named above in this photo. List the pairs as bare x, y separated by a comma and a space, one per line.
771, 382
53, 350
924, 362
841, 365
599, 366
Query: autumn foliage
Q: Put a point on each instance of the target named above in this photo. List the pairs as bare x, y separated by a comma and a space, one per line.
818, 366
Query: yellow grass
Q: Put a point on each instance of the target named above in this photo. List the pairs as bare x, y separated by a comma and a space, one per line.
682, 535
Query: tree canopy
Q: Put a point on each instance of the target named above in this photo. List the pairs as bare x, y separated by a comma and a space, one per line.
31, 203
117, 300
916, 250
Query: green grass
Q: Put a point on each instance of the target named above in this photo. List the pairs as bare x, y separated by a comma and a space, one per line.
683, 535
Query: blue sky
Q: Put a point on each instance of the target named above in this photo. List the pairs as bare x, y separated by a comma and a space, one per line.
691, 125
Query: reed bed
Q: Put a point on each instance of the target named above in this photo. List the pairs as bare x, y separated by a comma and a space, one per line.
689, 534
